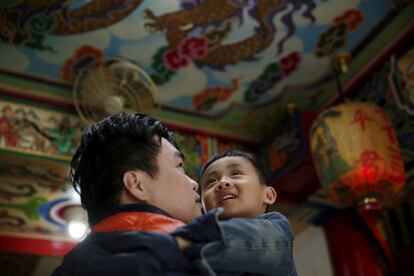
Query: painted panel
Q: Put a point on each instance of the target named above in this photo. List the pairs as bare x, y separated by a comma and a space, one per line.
24, 128
207, 56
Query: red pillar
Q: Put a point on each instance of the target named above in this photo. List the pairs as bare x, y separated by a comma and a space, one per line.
351, 249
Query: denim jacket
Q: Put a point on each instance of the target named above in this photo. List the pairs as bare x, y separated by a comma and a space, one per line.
263, 245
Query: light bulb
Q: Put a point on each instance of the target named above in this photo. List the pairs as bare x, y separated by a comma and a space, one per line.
77, 229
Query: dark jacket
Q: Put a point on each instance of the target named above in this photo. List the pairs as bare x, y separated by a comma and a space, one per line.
130, 240
233, 247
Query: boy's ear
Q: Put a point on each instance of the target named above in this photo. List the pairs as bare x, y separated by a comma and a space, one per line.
134, 183
270, 195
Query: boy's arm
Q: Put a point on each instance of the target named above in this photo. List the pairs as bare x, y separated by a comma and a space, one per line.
262, 245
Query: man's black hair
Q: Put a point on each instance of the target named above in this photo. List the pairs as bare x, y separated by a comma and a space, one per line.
236, 153
109, 148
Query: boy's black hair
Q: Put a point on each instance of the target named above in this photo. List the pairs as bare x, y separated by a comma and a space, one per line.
236, 153
109, 148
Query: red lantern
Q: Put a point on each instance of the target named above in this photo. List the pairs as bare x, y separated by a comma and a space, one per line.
356, 154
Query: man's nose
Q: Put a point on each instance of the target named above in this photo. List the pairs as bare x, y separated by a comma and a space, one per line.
193, 183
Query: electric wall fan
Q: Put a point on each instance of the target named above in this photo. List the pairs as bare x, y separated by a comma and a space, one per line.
113, 85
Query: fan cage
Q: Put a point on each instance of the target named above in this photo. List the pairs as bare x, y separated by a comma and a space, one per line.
113, 77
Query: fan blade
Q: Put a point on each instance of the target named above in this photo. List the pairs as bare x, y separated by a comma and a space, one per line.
113, 86
131, 97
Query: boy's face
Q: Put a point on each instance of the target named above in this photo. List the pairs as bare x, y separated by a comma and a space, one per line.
172, 190
233, 183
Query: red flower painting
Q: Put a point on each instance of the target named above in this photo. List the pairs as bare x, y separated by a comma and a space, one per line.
194, 47
83, 56
290, 63
174, 60
352, 17
190, 48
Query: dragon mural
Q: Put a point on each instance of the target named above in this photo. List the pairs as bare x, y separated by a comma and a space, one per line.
216, 41
203, 14
26, 22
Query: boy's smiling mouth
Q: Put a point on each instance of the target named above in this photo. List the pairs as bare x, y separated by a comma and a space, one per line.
225, 197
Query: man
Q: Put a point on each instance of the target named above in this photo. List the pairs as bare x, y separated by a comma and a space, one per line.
132, 183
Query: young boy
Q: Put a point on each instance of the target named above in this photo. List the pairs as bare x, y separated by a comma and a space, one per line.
234, 181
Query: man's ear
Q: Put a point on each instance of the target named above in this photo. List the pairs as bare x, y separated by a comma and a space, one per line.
134, 183
270, 195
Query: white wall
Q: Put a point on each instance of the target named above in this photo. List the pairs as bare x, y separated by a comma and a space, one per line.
311, 253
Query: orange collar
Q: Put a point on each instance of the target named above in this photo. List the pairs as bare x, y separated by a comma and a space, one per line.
137, 221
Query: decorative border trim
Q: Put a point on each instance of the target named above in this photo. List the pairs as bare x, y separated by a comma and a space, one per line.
35, 246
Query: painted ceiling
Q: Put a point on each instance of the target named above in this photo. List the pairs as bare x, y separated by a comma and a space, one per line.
228, 66
234, 68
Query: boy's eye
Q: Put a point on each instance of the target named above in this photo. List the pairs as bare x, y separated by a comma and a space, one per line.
235, 172
210, 180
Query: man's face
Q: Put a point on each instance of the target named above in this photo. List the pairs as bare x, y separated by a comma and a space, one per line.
233, 183
172, 190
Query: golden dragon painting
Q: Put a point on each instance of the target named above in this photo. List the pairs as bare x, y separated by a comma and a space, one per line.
201, 15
